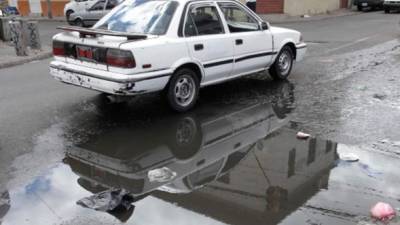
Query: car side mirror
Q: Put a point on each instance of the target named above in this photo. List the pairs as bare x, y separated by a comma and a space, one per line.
264, 25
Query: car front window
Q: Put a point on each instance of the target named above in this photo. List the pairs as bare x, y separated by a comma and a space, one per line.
238, 19
140, 16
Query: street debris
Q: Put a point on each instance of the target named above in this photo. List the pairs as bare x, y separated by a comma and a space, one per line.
369, 171
379, 96
301, 135
108, 201
382, 211
349, 157
362, 88
161, 175
4, 204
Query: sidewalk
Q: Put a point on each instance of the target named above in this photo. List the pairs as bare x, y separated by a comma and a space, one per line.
283, 18
9, 58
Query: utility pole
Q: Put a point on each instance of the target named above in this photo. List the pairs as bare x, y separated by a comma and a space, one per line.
49, 14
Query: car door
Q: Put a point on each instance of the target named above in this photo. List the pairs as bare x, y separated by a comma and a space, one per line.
207, 41
109, 5
253, 46
95, 12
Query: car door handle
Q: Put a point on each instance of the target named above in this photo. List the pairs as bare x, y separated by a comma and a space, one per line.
198, 47
239, 41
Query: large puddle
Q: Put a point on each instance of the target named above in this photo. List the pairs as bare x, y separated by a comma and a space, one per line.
241, 164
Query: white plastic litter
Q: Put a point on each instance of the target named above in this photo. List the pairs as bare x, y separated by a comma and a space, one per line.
161, 175
301, 135
349, 157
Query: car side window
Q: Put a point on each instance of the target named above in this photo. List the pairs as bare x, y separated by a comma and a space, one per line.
237, 18
203, 20
111, 4
98, 6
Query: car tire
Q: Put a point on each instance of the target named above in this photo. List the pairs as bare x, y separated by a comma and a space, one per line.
359, 8
68, 15
183, 90
283, 64
284, 99
78, 22
185, 138
387, 11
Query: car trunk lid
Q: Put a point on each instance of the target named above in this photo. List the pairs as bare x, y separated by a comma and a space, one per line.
92, 47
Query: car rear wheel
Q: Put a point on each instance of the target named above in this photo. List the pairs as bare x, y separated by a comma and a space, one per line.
387, 10
359, 8
183, 90
283, 64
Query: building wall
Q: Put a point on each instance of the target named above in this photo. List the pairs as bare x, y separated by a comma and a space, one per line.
39, 7
302, 7
57, 7
24, 7
270, 6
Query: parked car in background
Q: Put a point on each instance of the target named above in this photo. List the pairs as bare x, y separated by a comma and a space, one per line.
368, 4
89, 16
251, 4
390, 5
173, 46
76, 6
9, 11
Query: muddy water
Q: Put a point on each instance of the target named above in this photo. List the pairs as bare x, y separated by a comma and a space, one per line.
240, 164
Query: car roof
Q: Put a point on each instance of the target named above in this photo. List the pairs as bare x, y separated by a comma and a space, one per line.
185, 1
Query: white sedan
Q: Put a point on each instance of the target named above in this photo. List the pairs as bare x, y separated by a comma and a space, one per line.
144, 46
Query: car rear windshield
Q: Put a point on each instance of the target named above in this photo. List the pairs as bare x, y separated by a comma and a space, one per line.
140, 16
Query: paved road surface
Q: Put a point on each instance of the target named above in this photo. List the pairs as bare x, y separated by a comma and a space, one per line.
60, 143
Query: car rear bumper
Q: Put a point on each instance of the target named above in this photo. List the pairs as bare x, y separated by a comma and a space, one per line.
368, 3
108, 82
391, 5
301, 50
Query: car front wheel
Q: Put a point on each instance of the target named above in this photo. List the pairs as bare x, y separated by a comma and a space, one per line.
68, 16
183, 90
283, 64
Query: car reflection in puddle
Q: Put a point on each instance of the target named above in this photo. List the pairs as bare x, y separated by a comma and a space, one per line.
243, 165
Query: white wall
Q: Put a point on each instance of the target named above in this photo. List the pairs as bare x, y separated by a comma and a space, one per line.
302, 7
12, 2
35, 6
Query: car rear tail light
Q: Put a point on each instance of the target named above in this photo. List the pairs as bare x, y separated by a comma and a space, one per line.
120, 58
58, 48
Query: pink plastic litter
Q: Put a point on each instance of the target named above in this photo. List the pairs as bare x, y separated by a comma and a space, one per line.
382, 211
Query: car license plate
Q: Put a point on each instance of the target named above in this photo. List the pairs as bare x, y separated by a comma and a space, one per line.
84, 53
74, 78
364, 4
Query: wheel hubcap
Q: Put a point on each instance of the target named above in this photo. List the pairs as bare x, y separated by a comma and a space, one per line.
185, 132
284, 62
184, 90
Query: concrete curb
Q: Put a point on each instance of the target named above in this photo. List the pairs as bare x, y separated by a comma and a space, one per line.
271, 20
26, 59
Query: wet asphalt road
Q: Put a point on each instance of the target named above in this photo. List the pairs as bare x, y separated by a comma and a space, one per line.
235, 158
